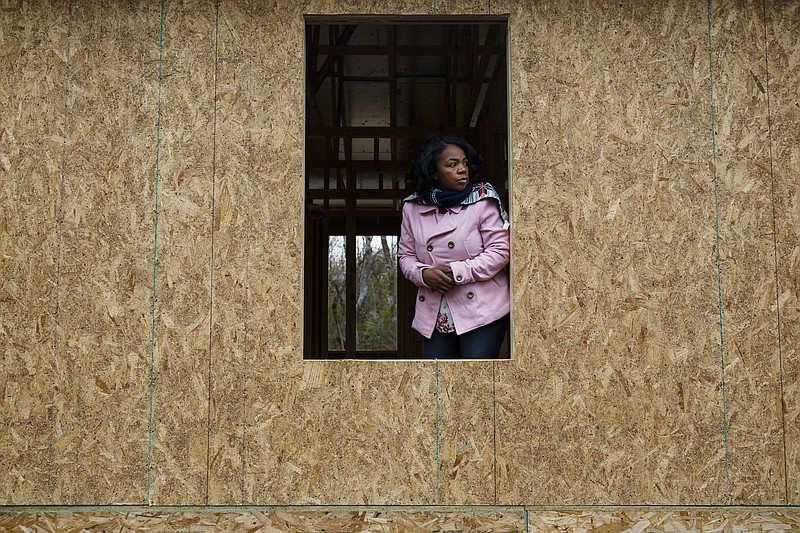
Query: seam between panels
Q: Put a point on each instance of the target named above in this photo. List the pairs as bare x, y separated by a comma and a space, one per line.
210, 382
59, 238
718, 254
775, 256
155, 256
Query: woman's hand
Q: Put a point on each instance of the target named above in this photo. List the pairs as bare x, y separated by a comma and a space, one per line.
439, 279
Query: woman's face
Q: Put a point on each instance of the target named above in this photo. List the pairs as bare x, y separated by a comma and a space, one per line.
452, 171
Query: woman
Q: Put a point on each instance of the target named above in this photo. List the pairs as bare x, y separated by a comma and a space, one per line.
454, 247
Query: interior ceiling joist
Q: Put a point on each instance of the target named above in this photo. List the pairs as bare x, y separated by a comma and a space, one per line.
375, 90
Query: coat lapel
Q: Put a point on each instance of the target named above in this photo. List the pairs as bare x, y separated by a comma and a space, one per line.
440, 224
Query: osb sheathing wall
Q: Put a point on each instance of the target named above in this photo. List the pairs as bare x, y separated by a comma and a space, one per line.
151, 159
497, 521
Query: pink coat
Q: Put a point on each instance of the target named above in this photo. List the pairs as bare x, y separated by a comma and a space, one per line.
472, 241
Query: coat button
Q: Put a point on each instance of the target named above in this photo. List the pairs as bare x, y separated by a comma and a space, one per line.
430, 247
459, 278
470, 295
451, 244
422, 298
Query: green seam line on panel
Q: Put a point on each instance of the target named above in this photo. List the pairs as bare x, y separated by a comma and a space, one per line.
719, 267
436, 429
155, 256
59, 238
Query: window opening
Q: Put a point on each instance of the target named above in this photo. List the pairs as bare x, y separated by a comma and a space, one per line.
375, 90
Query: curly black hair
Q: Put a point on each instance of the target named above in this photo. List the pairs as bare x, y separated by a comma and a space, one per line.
423, 172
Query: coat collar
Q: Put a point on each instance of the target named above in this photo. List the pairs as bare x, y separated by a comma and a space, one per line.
439, 224
430, 208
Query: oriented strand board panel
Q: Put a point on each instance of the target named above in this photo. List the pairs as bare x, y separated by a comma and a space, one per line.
276, 520
326, 436
101, 401
513, 520
613, 395
466, 433
232, 236
744, 186
278, 460
359, 7
339, 433
385, 436
783, 53
657, 521
33, 41
180, 451
292, 446
472, 7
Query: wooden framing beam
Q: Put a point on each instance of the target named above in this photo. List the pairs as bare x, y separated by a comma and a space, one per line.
322, 73
481, 73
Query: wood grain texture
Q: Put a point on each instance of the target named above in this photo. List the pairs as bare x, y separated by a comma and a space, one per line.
614, 391
180, 453
389, 520
463, 7
106, 265
466, 433
783, 59
301, 521
232, 236
275, 470
384, 433
377, 7
750, 324
33, 42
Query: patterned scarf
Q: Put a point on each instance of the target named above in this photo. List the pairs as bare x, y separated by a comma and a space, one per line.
471, 194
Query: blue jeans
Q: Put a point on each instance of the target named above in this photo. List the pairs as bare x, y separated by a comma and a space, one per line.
480, 343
